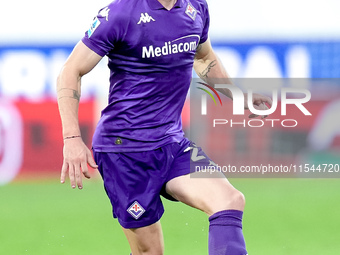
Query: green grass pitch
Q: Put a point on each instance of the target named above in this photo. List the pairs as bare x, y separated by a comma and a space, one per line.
282, 217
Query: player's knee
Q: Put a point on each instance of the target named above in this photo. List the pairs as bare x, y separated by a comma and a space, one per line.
154, 250
235, 200
150, 248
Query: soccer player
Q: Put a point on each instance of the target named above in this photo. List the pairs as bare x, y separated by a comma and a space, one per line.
139, 146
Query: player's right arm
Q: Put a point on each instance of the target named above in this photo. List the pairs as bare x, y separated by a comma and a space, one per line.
76, 154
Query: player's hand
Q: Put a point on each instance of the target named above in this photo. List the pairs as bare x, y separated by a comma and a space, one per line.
76, 158
260, 102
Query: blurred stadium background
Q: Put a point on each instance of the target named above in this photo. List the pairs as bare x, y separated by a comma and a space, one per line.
254, 39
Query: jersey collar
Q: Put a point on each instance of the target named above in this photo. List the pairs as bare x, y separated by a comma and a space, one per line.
155, 5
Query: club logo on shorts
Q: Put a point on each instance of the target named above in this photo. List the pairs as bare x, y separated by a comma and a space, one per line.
191, 11
136, 210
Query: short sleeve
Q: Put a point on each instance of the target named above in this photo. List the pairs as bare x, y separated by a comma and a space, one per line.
105, 31
206, 22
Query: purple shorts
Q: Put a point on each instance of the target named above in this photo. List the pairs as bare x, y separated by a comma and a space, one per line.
134, 181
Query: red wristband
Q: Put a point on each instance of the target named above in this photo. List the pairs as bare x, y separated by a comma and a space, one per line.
71, 137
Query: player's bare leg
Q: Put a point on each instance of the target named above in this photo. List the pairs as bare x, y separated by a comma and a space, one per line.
222, 202
209, 195
146, 240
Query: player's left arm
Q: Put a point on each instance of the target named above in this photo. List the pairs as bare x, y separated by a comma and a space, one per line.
210, 69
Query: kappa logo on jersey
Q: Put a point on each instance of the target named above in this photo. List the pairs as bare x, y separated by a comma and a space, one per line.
136, 210
191, 11
93, 27
145, 18
104, 13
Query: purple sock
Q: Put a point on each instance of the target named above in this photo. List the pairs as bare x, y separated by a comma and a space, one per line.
225, 233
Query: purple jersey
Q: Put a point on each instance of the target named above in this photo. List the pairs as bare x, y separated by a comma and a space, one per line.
151, 52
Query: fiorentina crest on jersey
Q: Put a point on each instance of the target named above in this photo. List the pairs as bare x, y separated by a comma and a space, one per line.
191, 11
136, 210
